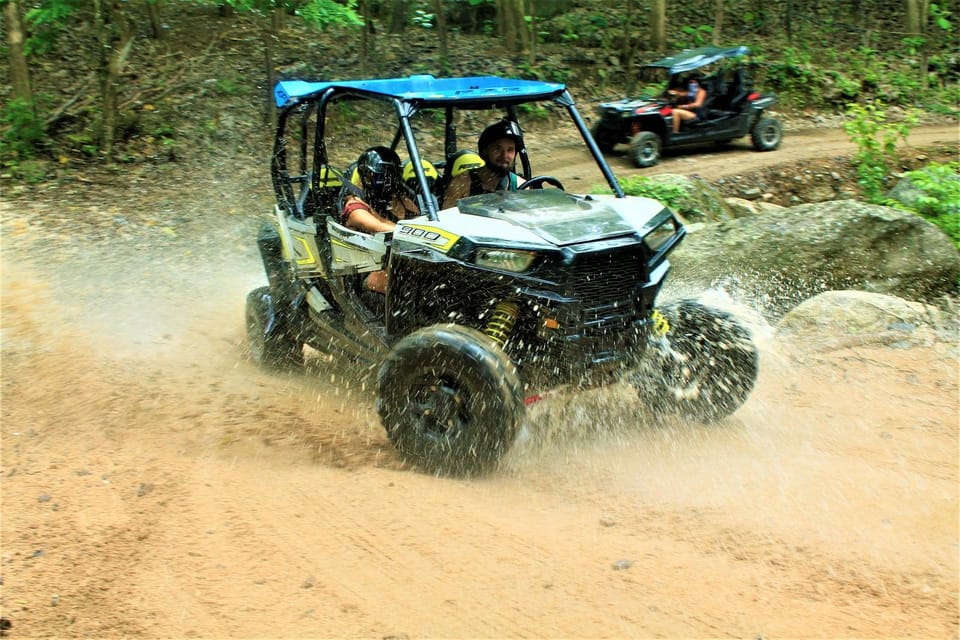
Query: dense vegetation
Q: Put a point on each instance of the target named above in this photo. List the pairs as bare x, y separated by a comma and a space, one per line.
104, 81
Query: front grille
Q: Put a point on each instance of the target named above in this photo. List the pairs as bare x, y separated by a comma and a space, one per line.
606, 282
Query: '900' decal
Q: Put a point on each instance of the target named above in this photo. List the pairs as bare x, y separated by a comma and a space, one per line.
436, 238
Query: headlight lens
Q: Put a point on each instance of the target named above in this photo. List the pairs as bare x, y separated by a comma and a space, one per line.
505, 259
659, 236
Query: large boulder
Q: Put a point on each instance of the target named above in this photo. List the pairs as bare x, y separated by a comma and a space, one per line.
843, 318
780, 259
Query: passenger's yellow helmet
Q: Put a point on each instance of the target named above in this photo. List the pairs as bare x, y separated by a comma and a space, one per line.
464, 160
410, 177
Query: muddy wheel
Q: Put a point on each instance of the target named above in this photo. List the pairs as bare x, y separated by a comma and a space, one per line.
703, 369
645, 149
450, 400
271, 343
766, 134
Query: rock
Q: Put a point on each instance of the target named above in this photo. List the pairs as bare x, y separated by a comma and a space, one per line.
607, 520
859, 316
909, 194
782, 259
763, 206
741, 207
700, 201
820, 193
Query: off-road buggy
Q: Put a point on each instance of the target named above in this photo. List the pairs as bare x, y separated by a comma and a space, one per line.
733, 108
489, 303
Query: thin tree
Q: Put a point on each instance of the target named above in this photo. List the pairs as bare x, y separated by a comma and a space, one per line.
441, 17
19, 69
631, 14
512, 24
153, 13
531, 11
319, 13
916, 27
367, 23
658, 25
399, 15
115, 39
718, 22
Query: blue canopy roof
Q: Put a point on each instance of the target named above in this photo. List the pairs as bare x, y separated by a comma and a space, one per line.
426, 89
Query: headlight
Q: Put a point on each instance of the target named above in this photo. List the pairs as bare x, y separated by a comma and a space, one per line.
505, 259
659, 236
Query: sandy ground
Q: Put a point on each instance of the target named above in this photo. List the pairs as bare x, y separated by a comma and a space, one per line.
156, 484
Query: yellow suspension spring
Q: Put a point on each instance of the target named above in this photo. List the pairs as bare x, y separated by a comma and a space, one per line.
501, 322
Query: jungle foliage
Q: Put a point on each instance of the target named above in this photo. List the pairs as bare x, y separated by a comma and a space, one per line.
147, 80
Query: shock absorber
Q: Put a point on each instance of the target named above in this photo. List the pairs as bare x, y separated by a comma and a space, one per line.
502, 319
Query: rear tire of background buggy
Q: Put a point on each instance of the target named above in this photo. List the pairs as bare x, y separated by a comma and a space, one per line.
703, 369
450, 400
766, 134
605, 141
269, 339
645, 149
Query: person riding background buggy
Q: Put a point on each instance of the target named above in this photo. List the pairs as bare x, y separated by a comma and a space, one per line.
691, 103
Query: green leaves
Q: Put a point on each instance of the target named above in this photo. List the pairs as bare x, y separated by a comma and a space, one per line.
876, 140
939, 196
47, 21
22, 131
327, 13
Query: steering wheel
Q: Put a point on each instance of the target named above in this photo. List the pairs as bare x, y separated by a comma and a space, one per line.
537, 182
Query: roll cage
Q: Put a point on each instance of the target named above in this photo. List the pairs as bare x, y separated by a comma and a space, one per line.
408, 96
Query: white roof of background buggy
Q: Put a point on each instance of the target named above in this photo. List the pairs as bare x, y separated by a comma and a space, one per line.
428, 91
690, 59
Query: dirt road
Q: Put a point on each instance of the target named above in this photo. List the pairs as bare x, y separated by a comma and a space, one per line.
156, 484
569, 162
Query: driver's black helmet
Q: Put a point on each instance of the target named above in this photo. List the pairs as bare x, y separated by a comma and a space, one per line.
502, 129
379, 171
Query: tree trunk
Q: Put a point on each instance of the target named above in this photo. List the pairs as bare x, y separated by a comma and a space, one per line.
441, 17
115, 37
658, 25
531, 32
789, 21
153, 13
718, 22
277, 19
631, 42
399, 15
913, 22
916, 27
364, 36
512, 24
19, 70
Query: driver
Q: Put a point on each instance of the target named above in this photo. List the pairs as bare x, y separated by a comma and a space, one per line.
499, 145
